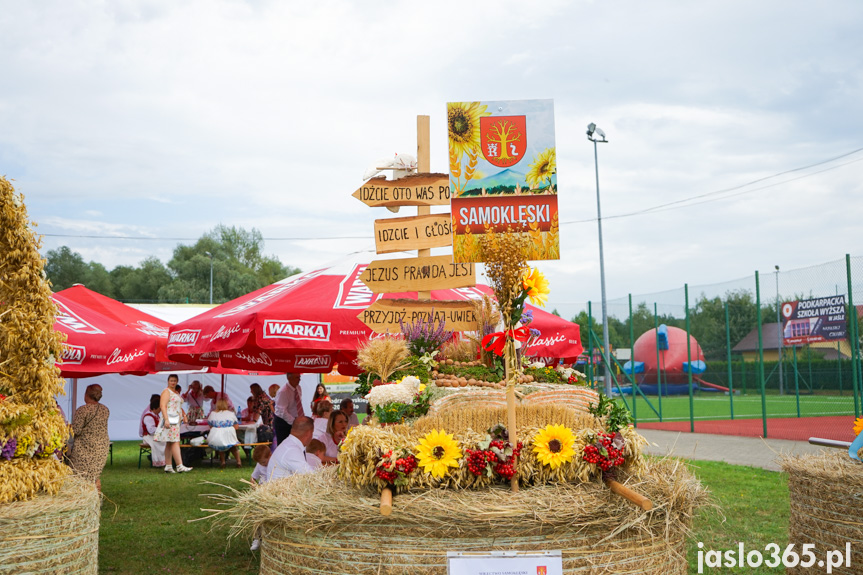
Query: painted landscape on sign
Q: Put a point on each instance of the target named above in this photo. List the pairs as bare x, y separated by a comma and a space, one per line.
503, 175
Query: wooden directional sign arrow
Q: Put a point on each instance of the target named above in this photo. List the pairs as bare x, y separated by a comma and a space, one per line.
417, 274
413, 233
384, 315
413, 190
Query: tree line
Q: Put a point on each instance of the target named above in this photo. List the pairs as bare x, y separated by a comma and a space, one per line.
238, 263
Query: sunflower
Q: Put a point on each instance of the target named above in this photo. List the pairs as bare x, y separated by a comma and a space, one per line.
437, 452
463, 122
553, 445
536, 286
543, 168
858, 426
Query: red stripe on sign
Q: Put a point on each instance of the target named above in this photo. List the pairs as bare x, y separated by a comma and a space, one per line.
502, 212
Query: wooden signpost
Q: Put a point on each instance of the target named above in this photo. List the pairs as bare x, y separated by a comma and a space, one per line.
417, 274
413, 190
413, 233
387, 315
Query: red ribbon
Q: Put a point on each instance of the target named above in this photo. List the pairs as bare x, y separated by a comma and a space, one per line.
495, 342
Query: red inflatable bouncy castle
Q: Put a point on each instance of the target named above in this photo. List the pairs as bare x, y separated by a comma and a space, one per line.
673, 358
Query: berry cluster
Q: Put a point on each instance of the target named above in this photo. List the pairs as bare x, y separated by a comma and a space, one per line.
390, 469
480, 460
477, 460
606, 453
572, 379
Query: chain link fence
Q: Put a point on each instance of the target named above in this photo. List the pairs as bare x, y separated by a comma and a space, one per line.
738, 357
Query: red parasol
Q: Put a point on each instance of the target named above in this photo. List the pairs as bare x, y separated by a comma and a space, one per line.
96, 345
308, 322
135, 319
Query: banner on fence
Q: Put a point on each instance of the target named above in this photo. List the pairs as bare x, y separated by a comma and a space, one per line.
813, 320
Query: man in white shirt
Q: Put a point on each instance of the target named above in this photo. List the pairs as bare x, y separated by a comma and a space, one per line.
289, 406
290, 455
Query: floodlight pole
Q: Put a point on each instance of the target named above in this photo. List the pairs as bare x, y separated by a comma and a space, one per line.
606, 351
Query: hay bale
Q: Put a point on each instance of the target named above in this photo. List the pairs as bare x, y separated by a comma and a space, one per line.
826, 496
317, 523
575, 397
479, 418
52, 533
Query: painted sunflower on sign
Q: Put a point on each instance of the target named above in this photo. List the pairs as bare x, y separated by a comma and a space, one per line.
544, 166
437, 452
536, 286
553, 445
463, 123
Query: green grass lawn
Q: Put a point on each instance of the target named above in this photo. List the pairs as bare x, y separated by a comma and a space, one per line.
753, 510
718, 406
145, 517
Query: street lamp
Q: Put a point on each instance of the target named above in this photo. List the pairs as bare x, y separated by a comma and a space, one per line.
596, 135
209, 255
779, 329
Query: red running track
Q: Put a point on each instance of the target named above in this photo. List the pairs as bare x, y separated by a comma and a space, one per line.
839, 427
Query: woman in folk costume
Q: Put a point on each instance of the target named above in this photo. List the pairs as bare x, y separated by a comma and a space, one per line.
148, 427
223, 431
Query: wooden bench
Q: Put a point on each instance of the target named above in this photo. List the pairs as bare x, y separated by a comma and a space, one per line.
246, 447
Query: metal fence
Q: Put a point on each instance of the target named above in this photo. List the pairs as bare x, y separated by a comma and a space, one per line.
752, 383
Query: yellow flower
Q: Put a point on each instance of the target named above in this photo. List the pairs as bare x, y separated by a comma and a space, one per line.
858, 426
437, 452
553, 445
543, 168
463, 123
422, 387
537, 287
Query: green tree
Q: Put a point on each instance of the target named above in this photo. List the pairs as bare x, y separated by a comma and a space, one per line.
707, 321
66, 268
238, 263
143, 283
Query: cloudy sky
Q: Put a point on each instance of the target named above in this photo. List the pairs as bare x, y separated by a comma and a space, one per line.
160, 120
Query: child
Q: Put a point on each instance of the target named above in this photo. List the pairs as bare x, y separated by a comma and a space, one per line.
314, 452
261, 455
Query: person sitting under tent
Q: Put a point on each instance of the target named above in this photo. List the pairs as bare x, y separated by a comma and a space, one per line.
323, 409
149, 424
347, 407
290, 455
214, 396
223, 432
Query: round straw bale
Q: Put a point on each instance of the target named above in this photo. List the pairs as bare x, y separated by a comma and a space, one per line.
52, 533
826, 495
317, 523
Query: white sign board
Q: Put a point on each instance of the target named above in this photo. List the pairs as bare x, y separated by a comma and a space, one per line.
505, 563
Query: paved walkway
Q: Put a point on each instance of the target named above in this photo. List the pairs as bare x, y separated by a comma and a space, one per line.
751, 451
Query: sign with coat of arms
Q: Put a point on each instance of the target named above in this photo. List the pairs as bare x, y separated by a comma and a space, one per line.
503, 175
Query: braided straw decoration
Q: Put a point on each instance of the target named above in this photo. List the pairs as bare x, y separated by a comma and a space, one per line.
28, 347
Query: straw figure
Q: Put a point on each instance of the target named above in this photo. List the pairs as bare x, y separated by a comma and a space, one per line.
32, 429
